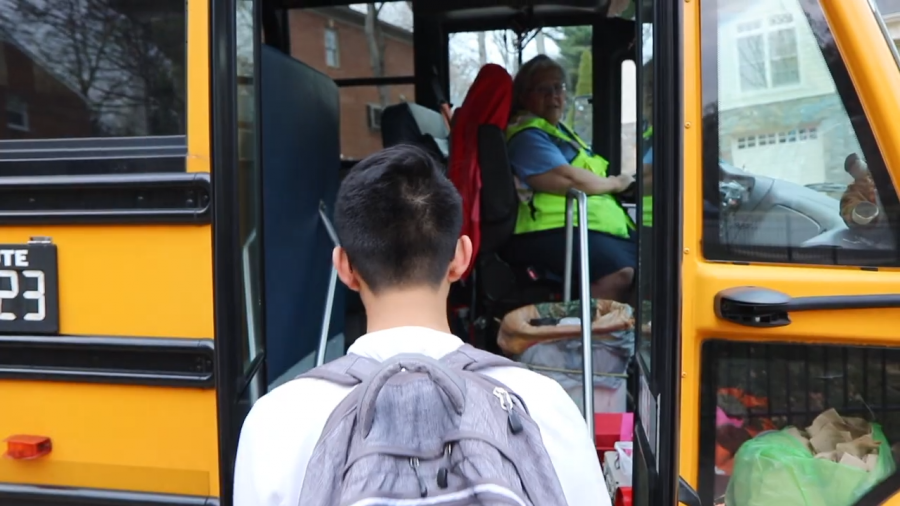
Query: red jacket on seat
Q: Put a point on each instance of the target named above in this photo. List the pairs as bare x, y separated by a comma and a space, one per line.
487, 103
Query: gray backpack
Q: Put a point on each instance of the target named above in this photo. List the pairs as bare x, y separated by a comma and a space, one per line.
418, 431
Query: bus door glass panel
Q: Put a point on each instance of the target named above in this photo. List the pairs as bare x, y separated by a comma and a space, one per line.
792, 176
249, 193
643, 384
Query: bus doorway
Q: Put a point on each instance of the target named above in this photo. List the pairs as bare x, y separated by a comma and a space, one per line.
682, 217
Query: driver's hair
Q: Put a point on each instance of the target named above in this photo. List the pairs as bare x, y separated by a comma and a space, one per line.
525, 77
399, 219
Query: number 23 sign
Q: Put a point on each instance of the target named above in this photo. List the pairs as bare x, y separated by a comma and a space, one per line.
29, 292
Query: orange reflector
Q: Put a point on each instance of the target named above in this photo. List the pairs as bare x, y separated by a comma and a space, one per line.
24, 447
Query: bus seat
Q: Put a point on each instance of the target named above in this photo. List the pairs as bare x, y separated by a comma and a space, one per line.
499, 210
487, 103
499, 203
300, 110
409, 123
479, 168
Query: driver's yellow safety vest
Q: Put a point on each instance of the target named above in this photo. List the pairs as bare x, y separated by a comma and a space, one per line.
546, 211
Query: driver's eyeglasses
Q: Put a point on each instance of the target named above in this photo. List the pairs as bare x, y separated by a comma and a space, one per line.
547, 90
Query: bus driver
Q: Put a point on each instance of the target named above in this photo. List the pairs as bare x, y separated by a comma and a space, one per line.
548, 159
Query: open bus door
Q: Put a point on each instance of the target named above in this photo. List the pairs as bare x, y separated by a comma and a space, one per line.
761, 308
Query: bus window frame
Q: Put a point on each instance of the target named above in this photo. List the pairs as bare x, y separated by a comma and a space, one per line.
608, 146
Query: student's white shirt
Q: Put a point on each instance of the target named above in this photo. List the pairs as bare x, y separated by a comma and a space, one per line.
283, 427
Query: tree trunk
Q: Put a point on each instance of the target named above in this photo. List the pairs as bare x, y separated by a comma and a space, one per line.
376, 43
482, 49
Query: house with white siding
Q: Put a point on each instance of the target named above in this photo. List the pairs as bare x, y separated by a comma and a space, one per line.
890, 12
779, 111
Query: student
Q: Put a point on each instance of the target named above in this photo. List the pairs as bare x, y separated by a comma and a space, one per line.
398, 220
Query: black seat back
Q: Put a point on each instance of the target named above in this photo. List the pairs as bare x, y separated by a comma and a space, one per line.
499, 203
408, 123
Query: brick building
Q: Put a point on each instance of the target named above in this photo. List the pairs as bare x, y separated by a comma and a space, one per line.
38, 104
333, 40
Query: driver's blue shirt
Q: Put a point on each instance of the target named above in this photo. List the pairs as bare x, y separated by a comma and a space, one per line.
532, 153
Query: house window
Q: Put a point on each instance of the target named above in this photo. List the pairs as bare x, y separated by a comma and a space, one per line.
373, 113
785, 137
332, 51
16, 113
767, 53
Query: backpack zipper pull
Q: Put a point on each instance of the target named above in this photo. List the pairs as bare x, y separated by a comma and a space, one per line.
414, 464
443, 471
506, 404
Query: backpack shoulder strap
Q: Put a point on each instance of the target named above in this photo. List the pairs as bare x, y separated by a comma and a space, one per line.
349, 370
469, 358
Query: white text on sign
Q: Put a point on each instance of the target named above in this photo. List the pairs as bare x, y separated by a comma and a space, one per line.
13, 258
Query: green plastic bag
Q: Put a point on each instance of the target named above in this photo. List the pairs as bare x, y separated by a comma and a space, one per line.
776, 469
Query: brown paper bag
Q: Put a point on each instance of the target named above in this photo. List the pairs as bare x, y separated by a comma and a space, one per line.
859, 447
832, 456
828, 438
871, 461
799, 435
849, 460
826, 417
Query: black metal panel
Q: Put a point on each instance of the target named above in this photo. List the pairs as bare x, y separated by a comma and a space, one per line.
106, 199
430, 60
374, 81
32, 495
169, 362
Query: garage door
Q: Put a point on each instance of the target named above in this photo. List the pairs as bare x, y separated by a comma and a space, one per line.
795, 155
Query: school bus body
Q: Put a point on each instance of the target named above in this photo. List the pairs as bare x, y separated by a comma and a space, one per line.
136, 387
125, 390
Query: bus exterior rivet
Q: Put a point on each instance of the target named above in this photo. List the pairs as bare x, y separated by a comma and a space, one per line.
687, 251
687, 125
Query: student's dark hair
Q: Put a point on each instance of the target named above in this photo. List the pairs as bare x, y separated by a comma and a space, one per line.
851, 160
398, 218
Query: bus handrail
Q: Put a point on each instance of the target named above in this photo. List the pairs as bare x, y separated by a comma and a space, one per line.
585, 295
332, 288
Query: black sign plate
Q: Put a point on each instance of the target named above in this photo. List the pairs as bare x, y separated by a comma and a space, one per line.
29, 289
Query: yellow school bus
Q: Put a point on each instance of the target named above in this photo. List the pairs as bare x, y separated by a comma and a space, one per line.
167, 171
